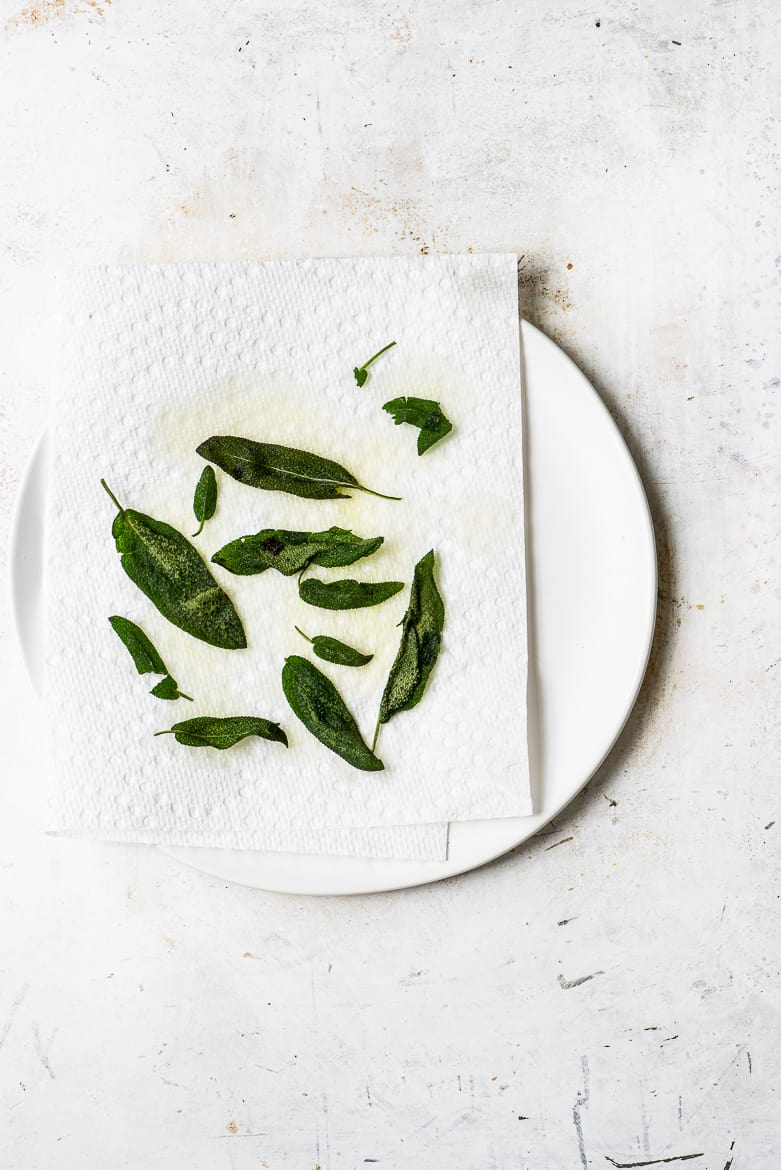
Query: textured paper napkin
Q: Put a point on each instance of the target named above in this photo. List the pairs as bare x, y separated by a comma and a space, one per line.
155, 360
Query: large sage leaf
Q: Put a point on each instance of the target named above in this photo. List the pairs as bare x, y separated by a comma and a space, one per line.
421, 640
205, 498
170, 571
332, 650
323, 712
290, 552
223, 731
348, 594
423, 413
282, 469
146, 658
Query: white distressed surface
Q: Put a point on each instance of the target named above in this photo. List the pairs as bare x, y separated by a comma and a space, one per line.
152, 1017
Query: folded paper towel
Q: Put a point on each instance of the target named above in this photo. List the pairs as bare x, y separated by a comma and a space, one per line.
155, 360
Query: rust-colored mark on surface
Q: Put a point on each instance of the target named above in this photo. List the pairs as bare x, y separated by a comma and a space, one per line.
232, 1127
569, 266
45, 11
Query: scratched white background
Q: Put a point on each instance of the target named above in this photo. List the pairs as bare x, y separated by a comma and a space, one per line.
610, 993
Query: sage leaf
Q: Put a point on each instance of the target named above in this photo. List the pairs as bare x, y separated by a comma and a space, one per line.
170, 571
347, 594
282, 469
290, 552
332, 650
144, 654
361, 373
223, 732
205, 498
423, 413
146, 658
421, 640
168, 688
323, 712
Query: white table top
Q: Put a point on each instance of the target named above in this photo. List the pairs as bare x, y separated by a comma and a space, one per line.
610, 990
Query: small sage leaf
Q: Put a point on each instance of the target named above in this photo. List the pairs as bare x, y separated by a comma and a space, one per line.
223, 732
146, 658
361, 373
282, 469
144, 654
205, 498
290, 552
423, 413
168, 688
172, 574
421, 640
347, 594
332, 650
323, 712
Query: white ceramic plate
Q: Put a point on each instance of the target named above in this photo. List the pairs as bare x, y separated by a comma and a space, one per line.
592, 606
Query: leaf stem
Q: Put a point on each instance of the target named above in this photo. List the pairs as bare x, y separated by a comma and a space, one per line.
376, 734
111, 494
200, 530
182, 695
379, 495
303, 635
379, 353
169, 731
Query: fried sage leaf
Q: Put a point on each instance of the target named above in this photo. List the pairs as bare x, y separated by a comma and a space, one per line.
144, 654
205, 498
323, 712
423, 413
170, 571
361, 373
282, 469
146, 658
332, 650
290, 552
223, 732
347, 594
421, 640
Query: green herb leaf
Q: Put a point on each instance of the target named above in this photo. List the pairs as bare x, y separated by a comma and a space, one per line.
282, 469
168, 688
423, 413
170, 571
347, 594
323, 712
145, 656
205, 498
332, 650
361, 373
223, 732
421, 640
290, 552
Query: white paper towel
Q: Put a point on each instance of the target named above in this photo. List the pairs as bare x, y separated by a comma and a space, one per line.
157, 359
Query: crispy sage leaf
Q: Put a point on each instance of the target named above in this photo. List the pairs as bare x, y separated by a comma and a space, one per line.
168, 688
144, 654
322, 710
290, 552
205, 498
421, 639
282, 469
332, 650
146, 657
347, 594
423, 413
170, 571
223, 732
